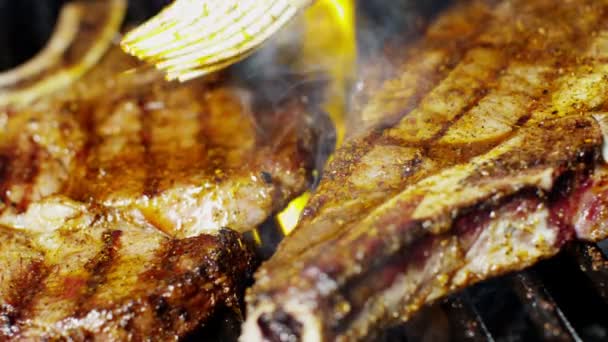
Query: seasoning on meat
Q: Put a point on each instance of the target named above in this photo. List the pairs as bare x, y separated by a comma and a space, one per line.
123, 196
480, 155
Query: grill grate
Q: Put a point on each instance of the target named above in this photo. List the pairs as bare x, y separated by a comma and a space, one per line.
561, 299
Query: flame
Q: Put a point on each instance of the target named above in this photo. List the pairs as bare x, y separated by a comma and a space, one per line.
288, 218
329, 43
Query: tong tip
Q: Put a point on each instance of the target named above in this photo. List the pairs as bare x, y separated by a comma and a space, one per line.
192, 38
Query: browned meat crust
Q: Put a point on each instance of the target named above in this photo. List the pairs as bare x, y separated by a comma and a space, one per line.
498, 109
186, 282
121, 198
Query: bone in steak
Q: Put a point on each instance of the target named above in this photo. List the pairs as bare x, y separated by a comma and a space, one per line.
115, 195
481, 154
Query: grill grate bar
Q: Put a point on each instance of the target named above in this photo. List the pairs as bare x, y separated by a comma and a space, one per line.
466, 324
578, 300
594, 264
546, 315
556, 300
568, 325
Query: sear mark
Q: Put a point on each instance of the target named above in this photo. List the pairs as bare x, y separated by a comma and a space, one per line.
280, 327
267, 177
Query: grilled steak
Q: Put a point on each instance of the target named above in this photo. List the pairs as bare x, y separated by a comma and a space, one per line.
480, 154
122, 196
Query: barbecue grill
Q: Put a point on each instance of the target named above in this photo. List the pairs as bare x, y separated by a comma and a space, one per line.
564, 298
561, 299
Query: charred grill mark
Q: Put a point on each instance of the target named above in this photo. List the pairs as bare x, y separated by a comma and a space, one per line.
190, 279
151, 186
214, 264
97, 269
381, 276
427, 147
451, 46
578, 136
89, 124
457, 48
28, 177
25, 288
523, 120
4, 166
202, 138
516, 51
163, 261
5, 163
345, 259
425, 86
99, 266
19, 168
280, 327
535, 103
479, 95
77, 291
8, 321
384, 271
452, 154
486, 85
430, 83
85, 168
86, 116
412, 166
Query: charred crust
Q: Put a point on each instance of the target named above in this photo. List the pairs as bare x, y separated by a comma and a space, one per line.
161, 307
5, 162
411, 166
180, 297
151, 186
478, 95
568, 143
223, 261
324, 136
186, 279
235, 248
25, 288
28, 176
266, 177
563, 142
523, 120
8, 321
100, 265
381, 274
279, 327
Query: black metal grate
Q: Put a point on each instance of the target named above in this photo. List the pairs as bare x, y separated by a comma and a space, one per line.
560, 299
